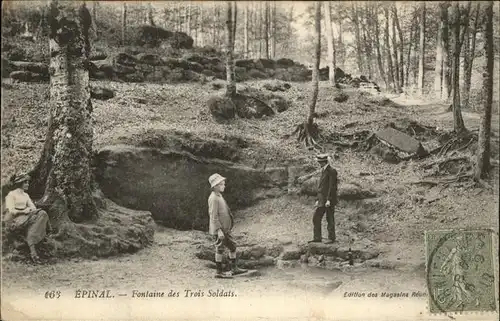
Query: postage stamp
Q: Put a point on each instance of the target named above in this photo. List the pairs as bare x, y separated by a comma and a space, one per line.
460, 271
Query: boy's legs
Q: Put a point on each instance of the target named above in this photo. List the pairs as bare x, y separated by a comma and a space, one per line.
219, 254
231, 245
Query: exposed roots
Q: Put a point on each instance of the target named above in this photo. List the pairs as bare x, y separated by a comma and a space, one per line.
309, 134
457, 143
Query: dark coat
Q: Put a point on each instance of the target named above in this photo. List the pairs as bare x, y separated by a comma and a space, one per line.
327, 186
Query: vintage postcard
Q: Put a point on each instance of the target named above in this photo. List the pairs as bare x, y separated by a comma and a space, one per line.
250, 160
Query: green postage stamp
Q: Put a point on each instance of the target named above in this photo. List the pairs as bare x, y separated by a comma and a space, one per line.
461, 271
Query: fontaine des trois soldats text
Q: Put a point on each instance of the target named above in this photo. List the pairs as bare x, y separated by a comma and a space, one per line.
186, 293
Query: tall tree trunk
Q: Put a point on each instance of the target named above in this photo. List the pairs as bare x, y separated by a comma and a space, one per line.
231, 84
377, 46
446, 53
483, 151
390, 79
368, 47
397, 63
341, 45
245, 31
401, 47
469, 58
188, 18
458, 122
214, 24
317, 58
266, 27
150, 15
260, 29
421, 56
357, 36
331, 43
63, 174
438, 70
201, 37
124, 22
273, 31
409, 63
235, 24
94, 20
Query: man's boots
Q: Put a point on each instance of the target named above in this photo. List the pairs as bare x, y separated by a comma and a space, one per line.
220, 274
235, 269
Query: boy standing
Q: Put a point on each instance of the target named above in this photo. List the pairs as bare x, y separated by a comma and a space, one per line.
220, 226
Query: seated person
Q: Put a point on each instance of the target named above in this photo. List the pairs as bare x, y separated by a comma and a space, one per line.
23, 215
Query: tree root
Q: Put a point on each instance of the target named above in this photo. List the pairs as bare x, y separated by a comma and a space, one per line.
440, 163
309, 134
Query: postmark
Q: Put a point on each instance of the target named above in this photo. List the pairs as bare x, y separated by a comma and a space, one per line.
460, 271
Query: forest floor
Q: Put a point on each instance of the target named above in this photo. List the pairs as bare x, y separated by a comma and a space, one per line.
395, 221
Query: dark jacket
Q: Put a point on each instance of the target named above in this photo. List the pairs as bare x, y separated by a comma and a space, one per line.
327, 186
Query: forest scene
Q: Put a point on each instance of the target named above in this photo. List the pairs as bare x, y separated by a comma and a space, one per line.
115, 114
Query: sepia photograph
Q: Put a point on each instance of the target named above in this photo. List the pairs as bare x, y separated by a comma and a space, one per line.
250, 160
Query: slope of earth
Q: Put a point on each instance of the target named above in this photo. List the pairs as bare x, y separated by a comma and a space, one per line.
395, 220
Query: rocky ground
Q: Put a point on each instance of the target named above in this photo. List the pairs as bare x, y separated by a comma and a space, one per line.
391, 225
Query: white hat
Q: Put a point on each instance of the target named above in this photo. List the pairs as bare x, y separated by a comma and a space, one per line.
215, 179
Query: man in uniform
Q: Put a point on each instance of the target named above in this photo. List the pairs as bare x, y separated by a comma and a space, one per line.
326, 200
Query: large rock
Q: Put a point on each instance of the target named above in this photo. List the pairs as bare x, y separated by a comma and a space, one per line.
172, 185
28, 76
101, 93
34, 67
221, 108
401, 141
346, 191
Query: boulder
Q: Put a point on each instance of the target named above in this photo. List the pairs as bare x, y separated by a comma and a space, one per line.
149, 59
98, 55
285, 62
346, 191
400, 140
321, 249
197, 58
221, 108
245, 63
257, 74
123, 69
172, 185
292, 253
181, 40
33, 67
101, 93
27, 76
135, 77
278, 175
279, 104
125, 59
251, 107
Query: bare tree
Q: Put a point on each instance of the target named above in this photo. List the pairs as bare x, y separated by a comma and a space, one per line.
308, 131
483, 151
357, 35
231, 84
124, 22
401, 45
374, 18
445, 92
469, 53
331, 43
390, 78
438, 70
421, 57
266, 27
397, 63
458, 122
63, 174
245, 31
150, 14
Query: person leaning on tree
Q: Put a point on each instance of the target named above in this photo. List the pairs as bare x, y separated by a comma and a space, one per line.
22, 215
220, 226
326, 200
